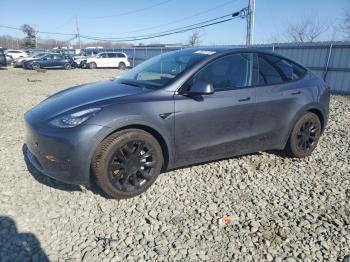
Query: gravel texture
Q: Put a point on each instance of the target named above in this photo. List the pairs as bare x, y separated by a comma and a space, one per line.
281, 209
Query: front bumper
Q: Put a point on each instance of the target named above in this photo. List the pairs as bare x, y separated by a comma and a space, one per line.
62, 154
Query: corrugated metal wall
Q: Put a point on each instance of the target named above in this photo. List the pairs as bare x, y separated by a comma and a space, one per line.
330, 61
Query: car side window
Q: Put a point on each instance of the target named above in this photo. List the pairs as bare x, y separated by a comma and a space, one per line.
268, 72
57, 57
120, 55
230, 72
112, 55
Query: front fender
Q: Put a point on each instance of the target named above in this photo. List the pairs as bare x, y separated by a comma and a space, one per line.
129, 121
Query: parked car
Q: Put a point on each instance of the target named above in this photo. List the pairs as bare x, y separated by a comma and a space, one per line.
9, 60
180, 108
2, 58
19, 61
15, 53
50, 61
108, 59
80, 59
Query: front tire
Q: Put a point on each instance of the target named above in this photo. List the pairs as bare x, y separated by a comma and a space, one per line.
304, 136
36, 66
127, 163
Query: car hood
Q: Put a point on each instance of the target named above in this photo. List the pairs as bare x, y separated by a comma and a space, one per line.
81, 96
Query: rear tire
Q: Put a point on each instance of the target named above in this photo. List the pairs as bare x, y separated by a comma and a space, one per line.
127, 163
304, 136
68, 66
92, 65
122, 66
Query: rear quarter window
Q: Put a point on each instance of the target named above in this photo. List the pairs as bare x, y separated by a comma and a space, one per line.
298, 71
275, 70
268, 73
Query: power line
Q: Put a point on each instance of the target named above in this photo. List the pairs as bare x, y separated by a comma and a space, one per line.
40, 32
233, 16
130, 12
172, 22
222, 19
168, 31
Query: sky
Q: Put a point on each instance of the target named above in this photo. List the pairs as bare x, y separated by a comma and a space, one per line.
135, 17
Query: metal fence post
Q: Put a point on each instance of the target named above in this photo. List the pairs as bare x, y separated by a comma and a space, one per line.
327, 62
273, 47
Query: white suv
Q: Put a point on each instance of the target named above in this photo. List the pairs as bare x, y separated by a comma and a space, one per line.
15, 53
108, 59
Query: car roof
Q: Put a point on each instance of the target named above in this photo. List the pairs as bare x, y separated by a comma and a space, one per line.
228, 50
231, 49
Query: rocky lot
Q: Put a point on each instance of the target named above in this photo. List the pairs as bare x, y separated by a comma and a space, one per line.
282, 209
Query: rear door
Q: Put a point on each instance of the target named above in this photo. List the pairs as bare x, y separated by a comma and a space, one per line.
219, 125
278, 98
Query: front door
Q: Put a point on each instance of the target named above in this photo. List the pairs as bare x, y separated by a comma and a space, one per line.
46, 61
219, 125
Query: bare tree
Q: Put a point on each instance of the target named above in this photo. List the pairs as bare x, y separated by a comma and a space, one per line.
306, 31
194, 38
31, 36
346, 25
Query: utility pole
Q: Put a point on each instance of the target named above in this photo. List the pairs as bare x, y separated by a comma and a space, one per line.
250, 22
36, 39
78, 35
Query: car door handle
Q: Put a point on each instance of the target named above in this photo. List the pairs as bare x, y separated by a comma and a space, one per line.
296, 93
244, 99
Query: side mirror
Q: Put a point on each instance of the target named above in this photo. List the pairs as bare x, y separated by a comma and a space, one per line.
201, 88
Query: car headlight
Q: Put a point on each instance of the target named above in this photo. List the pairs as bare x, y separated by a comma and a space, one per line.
74, 119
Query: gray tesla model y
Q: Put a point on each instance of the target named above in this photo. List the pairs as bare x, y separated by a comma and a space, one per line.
180, 108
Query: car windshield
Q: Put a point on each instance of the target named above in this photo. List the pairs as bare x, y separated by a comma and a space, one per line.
161, 70
39, 55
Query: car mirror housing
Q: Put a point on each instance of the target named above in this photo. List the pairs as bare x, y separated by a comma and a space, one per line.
201, 88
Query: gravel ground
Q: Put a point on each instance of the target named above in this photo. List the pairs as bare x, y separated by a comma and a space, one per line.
282, 209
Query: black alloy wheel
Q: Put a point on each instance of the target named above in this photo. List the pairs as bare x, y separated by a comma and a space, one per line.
131, 166
304, 136
307, 135
127, 163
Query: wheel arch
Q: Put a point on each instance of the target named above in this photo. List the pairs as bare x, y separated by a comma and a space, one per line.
320, 115
164, 143
313, 109
155, 134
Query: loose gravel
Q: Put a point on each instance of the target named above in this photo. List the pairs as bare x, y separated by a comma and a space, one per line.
282, 209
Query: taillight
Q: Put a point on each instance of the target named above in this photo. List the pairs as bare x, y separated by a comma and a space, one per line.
328, 89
